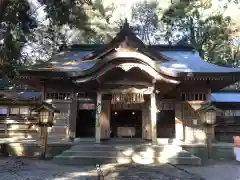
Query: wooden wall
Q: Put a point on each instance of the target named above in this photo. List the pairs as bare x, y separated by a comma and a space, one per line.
193, 126
17, 124
188, 124
227, 125
61, 120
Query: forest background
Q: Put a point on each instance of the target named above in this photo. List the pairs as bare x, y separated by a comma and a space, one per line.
33, 30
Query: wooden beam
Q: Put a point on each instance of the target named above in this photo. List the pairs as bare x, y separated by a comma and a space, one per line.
126, 66
127, 90
140, 83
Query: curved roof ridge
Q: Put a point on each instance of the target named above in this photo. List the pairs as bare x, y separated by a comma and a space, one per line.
192, 62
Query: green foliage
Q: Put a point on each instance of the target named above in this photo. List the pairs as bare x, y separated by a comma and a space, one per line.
69, 12
15, 26
24, 40
145, 21
210, 33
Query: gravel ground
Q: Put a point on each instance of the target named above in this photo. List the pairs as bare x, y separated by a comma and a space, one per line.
217, 170
149, 172
25, 169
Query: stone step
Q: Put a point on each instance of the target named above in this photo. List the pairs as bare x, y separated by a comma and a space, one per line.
126, 141
118, 153
156, 148
93, 153
86, 140
193, 160
97, 153
91, 160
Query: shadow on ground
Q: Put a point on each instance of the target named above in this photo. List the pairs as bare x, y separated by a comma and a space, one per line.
20, 168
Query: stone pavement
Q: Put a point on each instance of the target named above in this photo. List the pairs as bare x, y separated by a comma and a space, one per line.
228, 170
25, 169
148, 172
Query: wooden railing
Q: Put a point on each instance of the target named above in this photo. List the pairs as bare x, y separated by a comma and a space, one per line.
227, 124
227, 127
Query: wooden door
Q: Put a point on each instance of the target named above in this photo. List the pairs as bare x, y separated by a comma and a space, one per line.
166, 124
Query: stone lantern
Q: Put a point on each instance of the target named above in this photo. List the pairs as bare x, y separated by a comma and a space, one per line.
209, 117
208, 114
45, 113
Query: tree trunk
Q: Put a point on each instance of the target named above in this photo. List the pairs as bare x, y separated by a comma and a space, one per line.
192, 32
3, 7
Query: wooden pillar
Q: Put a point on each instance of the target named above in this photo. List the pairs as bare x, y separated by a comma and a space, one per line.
44, 141
153, 110
105, 119
72, 116
44, 129
183, 121
98, 124
43, 95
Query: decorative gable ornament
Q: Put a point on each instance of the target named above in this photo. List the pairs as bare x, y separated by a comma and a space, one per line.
125, 46
126, 67
128, 49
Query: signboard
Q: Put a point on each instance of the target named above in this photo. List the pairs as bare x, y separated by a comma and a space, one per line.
87, 106
127, 98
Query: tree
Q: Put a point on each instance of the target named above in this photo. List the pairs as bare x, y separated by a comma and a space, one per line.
68, 23
145, 21
15, 26
210, 33
23, 38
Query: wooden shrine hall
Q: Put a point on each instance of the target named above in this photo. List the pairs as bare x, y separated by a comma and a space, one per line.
128, 89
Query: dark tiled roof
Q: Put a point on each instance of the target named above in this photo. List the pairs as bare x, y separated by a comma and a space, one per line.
161, 47
182, 61
24, 95
83, 60
19, 91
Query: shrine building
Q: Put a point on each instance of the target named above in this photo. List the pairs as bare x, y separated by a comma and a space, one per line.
126, 89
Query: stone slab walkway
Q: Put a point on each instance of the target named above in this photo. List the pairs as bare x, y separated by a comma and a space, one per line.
148, 172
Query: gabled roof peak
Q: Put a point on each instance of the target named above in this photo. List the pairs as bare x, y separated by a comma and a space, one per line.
125, 25
126, 22
126, 29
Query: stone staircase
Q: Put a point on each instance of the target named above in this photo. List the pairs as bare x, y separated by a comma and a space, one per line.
144, 153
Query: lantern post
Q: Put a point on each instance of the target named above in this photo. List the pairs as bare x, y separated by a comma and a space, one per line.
209, 121
208, 115
45, 120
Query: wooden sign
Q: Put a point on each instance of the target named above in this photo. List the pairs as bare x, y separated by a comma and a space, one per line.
128, 98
